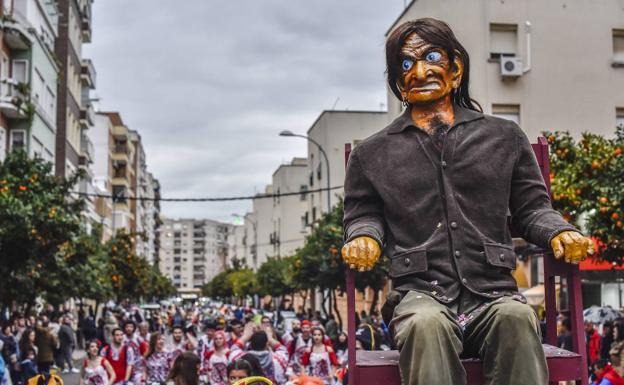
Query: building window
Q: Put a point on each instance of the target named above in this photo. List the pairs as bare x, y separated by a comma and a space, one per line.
503, 40
18, 140
618, 46
303, 189
507, 111
619, 117
20, 71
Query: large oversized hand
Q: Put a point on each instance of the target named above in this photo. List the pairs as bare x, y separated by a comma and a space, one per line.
573, 246
361, 253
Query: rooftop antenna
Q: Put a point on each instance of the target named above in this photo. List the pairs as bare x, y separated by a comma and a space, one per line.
336, 102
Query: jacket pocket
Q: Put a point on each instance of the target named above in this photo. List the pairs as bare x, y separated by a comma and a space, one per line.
500, 255
408, 262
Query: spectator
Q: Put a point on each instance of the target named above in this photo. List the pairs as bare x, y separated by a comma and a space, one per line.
331, 328
28, 365
592, 339
67, 339
341, 347
605, 374
238, 370
185, 370
616, 353
157, 360
564, 339
119, 356
46, 343
607, 340
96, 370
217, 361
272, 355
319, 359
27, 342
10, 351
179, 344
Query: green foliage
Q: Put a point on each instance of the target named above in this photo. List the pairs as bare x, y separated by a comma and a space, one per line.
587, 181
39, 223
45, 250
274, 277
131, 276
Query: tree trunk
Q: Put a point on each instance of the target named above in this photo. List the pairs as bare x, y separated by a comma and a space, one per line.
336, 310
374, 301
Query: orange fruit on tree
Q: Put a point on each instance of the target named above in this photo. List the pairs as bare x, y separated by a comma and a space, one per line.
618, 224
617, 151
603, 200
595, 165
603, 210
615, 216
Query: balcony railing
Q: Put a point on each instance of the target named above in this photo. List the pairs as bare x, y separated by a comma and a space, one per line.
87, 73
87, 115
121, 149
86, 148
12, 99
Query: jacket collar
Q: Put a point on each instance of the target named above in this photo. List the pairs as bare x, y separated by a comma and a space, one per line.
462, 115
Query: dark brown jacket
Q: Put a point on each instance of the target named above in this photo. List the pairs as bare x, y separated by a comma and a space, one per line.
442, 214
46, 343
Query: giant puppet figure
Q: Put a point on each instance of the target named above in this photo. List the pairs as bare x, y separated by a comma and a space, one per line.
434, 188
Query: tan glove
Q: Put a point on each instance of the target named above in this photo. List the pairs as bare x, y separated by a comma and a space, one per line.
573, 246
361, 253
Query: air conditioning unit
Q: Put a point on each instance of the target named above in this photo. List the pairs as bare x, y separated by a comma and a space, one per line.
511, 66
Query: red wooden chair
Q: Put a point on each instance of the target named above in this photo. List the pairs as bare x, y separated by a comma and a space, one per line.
381, 367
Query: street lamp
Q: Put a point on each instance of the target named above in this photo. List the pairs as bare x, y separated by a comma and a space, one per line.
290, 133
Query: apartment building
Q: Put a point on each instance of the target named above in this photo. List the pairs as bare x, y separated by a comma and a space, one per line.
102, 137
332, 130
193, 251
75, 113
28, 77
121, 171
548, 65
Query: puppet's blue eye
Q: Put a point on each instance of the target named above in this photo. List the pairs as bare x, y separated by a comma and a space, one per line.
433, 56
407, 64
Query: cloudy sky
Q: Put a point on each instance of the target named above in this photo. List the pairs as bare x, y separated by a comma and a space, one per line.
210, 84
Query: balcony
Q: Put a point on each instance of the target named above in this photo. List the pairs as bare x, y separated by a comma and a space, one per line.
87, 73
120, 152
86, 26
87, 116
87, 151
16, 34
12, 98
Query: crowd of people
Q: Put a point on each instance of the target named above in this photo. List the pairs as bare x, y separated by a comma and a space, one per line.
605, 350
132, 346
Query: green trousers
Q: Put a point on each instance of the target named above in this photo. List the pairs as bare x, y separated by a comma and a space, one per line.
505, 336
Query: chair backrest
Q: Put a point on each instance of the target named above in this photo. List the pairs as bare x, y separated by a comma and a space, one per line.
552, 269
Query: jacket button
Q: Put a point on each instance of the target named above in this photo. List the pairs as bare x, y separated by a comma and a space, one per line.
443, 164
406, 261
501, 257
464, 281
457, 253
453, 225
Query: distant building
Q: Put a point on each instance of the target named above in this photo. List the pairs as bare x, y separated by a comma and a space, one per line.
332, 130
193, 251
28, 78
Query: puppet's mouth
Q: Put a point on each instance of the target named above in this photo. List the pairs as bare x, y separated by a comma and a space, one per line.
426, 87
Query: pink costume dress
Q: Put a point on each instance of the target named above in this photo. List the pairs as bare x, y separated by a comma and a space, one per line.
97, 375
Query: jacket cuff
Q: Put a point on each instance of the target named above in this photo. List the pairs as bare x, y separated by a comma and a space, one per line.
546, 226
365, 229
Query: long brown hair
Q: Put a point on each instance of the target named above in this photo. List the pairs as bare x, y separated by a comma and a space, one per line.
185, 369
152, 344
438, 33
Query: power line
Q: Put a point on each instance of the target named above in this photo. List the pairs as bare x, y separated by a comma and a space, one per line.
221, 199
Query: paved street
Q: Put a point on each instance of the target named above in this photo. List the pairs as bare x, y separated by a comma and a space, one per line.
73, 378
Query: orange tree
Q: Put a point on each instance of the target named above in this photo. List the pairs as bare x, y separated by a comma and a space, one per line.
39, 224
131, 276
587, 178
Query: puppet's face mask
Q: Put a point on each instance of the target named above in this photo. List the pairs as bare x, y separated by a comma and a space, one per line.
427, 74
